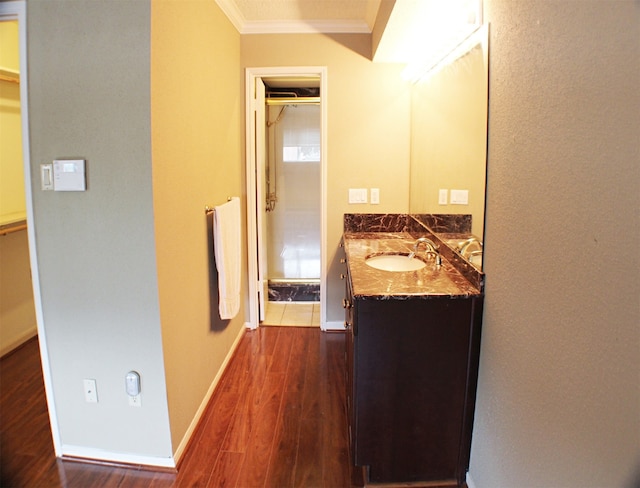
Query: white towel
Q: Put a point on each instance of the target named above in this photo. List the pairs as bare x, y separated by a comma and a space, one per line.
227, 243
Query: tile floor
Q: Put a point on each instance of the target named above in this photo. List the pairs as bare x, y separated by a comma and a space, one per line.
300, 314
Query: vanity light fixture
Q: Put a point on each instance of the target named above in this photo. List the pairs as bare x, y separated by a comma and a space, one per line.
419, 71
422, 33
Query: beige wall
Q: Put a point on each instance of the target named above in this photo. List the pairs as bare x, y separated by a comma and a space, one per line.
12, 195
17, 313
196, 92
559, 390
368, 127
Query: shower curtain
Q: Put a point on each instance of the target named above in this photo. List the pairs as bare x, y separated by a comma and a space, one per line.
293, 224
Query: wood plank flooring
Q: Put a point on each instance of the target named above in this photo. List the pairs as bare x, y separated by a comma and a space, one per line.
277, 419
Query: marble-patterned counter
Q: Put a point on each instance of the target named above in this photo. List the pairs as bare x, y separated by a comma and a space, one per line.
366, 234
429, 282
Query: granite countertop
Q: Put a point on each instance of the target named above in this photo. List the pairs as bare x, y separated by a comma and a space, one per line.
455, 239
432, 281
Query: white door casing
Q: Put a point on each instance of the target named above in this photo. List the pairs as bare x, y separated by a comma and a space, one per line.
260, 154
255, 195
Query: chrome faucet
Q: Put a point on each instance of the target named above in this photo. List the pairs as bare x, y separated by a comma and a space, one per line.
462, 248
429, 248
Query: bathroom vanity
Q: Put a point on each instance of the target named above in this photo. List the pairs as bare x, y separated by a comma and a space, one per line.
413, 343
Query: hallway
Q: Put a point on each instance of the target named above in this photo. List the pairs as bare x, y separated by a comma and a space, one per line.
277, 419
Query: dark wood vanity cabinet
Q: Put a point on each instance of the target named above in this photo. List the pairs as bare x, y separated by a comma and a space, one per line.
412, 375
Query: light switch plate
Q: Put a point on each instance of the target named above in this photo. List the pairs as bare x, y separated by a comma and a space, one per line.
46, 177
357, 195
443, 195
375, 196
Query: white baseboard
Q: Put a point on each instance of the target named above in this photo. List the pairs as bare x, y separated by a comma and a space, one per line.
179, 452
470, 483
18, 341
333, 325
101, 456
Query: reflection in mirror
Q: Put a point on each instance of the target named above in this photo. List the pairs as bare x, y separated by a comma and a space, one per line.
449, 142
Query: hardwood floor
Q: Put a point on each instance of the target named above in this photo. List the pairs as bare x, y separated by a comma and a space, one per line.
277, 419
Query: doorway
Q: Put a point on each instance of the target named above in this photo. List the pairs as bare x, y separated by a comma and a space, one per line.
286, 167
17, 11
17, 312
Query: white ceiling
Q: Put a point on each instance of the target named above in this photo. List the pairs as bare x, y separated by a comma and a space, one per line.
408, 31
301, 16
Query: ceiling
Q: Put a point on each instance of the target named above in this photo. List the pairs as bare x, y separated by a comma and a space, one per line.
301, 16
406, 31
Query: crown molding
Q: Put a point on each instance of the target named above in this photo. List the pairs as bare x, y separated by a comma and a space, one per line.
244, 26
306, 27
232, 12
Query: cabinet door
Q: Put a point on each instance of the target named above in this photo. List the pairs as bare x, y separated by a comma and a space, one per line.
349, 326
411, 372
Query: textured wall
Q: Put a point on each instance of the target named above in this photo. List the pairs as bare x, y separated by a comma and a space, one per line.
89, 98
558, 397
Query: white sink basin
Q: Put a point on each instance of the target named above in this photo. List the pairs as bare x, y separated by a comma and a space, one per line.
395, 262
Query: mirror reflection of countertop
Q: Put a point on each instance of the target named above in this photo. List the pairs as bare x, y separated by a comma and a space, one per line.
432, 281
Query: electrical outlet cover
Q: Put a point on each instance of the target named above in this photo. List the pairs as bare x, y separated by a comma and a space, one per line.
90, 391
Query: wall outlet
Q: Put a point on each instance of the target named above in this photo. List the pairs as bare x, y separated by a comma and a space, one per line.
90, 391
443, 195
135, 401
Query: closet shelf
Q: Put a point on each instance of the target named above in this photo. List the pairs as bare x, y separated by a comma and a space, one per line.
12, 222
13, 227
10, 75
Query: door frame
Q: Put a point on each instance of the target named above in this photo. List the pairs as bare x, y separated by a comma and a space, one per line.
251, 75
17, 10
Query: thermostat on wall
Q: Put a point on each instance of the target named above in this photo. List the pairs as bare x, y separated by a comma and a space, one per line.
68, 175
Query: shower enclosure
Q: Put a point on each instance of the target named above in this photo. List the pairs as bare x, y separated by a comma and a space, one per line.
293, 196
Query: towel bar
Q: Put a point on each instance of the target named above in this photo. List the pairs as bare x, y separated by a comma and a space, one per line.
212, 208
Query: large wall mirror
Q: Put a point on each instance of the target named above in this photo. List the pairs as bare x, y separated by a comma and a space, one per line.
449, 136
